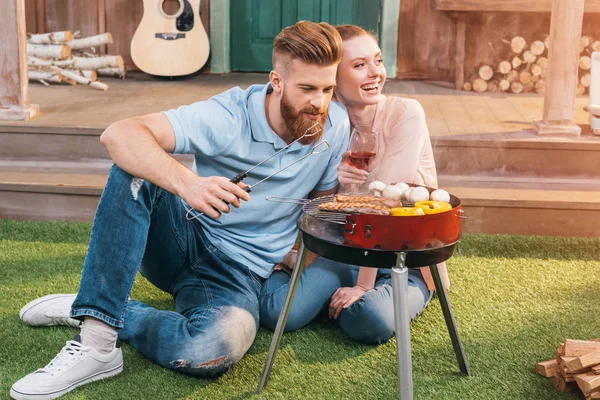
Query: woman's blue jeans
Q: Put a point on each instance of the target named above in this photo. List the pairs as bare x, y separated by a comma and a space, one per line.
368, 320
139, 225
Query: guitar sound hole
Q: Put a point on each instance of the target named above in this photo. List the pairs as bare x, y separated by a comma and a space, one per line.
170, 7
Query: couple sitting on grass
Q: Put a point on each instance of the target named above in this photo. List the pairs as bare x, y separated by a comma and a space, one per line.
219, 266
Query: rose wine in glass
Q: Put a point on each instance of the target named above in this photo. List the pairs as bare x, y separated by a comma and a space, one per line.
363, 149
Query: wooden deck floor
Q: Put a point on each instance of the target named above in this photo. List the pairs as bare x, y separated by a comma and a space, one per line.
448, 112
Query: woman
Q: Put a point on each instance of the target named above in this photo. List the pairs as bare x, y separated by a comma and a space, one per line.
359, 297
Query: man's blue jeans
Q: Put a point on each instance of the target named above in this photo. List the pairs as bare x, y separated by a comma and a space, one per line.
139, 225
368, 320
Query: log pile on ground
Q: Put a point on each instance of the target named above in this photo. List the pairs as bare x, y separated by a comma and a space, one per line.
65, 57
521, 67
575, 368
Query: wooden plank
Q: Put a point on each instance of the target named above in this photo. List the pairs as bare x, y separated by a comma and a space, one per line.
101, 5
426, 46
459, 55
122, 19
30, 14
456, 116
14, 97
73, 15
506, 5
40, 16
563, 57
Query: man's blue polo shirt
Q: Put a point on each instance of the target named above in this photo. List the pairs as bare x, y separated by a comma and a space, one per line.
229, 134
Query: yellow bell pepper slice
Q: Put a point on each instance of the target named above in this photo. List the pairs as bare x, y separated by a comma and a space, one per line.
406, 211
433, 207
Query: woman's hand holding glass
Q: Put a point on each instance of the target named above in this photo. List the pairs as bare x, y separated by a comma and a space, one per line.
353, 171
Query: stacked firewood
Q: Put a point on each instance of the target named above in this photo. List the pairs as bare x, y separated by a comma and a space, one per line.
64, 57
576, 367
523, 68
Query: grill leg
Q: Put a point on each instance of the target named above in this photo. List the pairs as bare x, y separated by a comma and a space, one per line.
283, 316
450, 322
402, 321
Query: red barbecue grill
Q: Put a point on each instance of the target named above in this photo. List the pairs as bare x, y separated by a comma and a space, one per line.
379, 241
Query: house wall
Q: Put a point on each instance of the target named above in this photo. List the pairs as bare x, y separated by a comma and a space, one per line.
426, 40
119, 17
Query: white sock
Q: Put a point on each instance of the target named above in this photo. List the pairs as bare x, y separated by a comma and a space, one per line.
98, 335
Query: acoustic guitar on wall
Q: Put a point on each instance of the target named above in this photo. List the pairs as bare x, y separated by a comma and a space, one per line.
170, 39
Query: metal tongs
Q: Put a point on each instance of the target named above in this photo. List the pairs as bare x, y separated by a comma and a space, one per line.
317, 149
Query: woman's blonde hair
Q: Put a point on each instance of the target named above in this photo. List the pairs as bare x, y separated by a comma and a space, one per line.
313, 43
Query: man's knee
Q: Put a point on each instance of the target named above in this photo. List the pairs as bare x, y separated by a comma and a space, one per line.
219, 346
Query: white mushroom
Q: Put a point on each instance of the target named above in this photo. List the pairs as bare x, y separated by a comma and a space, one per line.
392, 192
402, 186
418, 193
377, 187
440, 195
406, 193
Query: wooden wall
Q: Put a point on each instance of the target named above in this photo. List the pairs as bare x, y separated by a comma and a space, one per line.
426, 37
119, 17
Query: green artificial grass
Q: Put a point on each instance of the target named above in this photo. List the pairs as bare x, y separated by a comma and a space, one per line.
515, 299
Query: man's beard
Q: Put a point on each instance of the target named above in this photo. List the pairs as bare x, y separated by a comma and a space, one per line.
298, 124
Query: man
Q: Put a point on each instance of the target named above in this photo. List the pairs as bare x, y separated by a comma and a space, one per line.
214, 265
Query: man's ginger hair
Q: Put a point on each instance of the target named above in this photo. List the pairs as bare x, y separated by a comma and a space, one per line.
310, 42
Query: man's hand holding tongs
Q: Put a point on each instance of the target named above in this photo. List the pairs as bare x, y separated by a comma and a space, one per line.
212, 195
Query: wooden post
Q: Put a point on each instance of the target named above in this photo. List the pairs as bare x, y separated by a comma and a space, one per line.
459, 54
14, 99
563, 61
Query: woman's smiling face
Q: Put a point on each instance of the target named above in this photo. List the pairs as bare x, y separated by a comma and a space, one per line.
360, 74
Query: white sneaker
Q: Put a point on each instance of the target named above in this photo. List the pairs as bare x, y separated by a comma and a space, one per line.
74, 366
50, 310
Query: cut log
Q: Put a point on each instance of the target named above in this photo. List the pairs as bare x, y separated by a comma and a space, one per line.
537, 48
98, 62
512, 76
38, 62
518, 44
585, 81
516, 87
584, 361
492, 86
480, 85
593, 396
504, 67
467, 86
596, 46
529, 57
80, 79
516, 62
536, 70
535, 78
50, 37
580, 90
48, 76
58, 51
576, 348
547, 42
585, 42
486, 72
588, 382
528, 87
91, 75
560, 384
524, 77
91, 41
542, 62
117, 72
503, 85
547, 368
585, 63
561, 350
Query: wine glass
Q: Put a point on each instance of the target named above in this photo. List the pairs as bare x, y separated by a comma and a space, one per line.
363, 149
